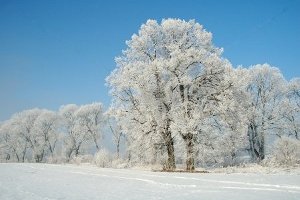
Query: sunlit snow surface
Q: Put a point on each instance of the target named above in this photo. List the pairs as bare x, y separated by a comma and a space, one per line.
43, 181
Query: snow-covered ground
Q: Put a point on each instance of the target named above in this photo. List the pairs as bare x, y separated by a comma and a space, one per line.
44, 181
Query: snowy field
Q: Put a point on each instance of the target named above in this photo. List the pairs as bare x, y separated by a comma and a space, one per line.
44, 181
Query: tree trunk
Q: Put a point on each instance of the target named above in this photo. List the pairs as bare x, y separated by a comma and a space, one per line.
171, 155
257, 143
169, 143
77, 151
7, 157
24, 154
96, 143
118, 149
251, 137
262, 147
51, 151
18, 159
69, 153
189, 145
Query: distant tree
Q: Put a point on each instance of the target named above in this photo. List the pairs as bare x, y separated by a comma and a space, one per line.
20, 138
291, 113
45, 131
74, 137
14, 146
82, 125
24, 123
90, 118
117, 134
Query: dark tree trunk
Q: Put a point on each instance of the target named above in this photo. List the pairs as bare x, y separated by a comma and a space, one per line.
189, 145
169, 143
171, 155
261, 148
251, 137
18, 159
69, 153
96, 143
77, 151
257, 143
7, 157
118, 149
24, 154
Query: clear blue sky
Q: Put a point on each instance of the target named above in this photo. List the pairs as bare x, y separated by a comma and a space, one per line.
58, 52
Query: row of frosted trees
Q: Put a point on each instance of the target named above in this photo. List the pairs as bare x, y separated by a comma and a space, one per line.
40, 135
179, 101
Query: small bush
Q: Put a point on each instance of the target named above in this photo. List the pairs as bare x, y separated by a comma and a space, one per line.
82, 159
103, 158
56, 160
119, 163
286, 152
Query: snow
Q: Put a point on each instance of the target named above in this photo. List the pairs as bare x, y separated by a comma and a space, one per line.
48, 182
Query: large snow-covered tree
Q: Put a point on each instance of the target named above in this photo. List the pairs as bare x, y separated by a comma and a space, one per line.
169, 80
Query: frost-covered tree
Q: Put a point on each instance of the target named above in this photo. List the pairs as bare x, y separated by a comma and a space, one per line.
167, 83
231, 122
141, 104
90, 118
82, 125
74, 136
117, 134
5, 151
267, 90
14, 146
45, 132
291, 113
24, 125
20, 136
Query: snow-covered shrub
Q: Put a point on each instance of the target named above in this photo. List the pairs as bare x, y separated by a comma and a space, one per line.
56, 160
119, 163
82, 159
103, 158
286, 152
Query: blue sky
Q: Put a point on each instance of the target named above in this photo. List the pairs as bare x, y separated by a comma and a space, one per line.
58, 52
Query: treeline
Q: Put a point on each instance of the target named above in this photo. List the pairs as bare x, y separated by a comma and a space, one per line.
40, 135
175, 101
